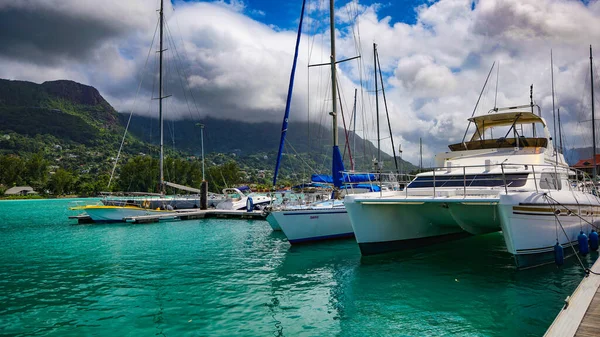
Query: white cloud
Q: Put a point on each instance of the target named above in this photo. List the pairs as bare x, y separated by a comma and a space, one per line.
238, 67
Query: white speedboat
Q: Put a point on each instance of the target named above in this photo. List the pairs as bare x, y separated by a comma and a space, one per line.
237, 200
517, 184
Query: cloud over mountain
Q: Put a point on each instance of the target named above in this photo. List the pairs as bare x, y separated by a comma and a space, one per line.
236, 66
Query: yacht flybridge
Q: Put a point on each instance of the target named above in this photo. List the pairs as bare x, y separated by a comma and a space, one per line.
508, 177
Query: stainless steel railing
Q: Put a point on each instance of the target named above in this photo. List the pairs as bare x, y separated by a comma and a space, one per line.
493, 177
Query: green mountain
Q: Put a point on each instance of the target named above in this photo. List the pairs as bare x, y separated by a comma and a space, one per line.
246, 140
75, 128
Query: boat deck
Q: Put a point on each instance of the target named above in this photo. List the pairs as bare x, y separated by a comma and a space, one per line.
184, 215
580, 316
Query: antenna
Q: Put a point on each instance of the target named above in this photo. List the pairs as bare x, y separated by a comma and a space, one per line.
421, 154
496, 95
531, 105
560, 132
476, 104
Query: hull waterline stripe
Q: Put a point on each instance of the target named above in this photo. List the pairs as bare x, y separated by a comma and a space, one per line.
321, 238
315, 213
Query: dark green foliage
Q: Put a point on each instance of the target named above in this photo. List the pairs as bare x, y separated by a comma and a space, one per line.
222, 176
41, 121
61, 182
139, 174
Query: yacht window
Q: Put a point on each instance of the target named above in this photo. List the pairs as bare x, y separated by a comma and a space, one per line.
472, 180
549, 181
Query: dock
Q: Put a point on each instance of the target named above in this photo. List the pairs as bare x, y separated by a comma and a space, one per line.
184, 215
580, 315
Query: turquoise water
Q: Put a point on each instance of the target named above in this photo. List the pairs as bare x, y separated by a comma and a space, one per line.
236, 277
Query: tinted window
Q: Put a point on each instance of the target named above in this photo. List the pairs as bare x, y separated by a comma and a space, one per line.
472, 180
548, 181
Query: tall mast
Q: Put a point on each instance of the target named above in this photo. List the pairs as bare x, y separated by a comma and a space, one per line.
160, 98
354, 128
377, 105
553, 114
593, 119
333, 77
387, 113
286, 115
337, 163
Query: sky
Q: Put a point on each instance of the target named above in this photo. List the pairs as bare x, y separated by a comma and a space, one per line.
232, 59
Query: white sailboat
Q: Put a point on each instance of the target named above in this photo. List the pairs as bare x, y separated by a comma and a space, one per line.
319, 221
518, 184
117, 211
327, 219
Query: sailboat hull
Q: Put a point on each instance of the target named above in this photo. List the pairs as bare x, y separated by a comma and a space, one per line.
111, 214
309, 225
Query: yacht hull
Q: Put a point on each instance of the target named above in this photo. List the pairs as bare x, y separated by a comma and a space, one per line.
531, 227
309, 225
384, 225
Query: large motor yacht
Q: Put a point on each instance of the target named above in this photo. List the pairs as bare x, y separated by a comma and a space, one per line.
515, 182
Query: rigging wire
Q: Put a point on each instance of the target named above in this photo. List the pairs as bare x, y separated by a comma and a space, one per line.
132, 107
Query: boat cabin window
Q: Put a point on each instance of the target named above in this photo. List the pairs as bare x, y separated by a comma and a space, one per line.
549, 181
472, 180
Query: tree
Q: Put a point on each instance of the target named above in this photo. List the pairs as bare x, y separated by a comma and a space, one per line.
36, 171
12, 171
224, 175
61, 182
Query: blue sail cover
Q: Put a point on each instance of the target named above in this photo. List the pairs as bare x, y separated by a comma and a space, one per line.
337, 167
347, 178
288, 103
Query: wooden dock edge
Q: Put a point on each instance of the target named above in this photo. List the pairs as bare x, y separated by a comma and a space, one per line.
569, 319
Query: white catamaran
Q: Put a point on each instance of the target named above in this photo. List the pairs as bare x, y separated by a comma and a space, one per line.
517, 183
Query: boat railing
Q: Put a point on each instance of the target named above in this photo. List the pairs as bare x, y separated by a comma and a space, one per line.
493, 178
381, 180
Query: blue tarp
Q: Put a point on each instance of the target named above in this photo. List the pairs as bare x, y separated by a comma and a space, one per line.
244, 188
347, 178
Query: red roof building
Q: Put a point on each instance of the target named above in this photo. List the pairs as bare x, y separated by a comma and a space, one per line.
587, 165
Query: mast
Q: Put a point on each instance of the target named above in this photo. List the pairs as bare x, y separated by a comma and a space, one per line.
288, 103
333, 77
593, 119
377, 106
553, 114
354, 128
337, 164
160, 98
387, 113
